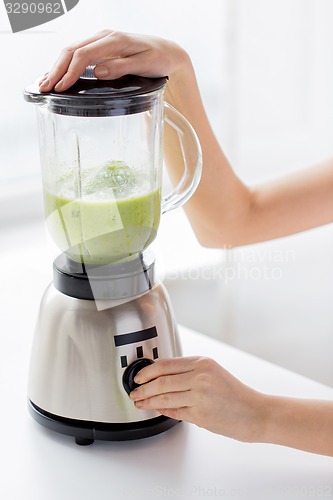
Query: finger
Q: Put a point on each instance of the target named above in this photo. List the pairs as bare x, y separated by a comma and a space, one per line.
87, 41
146, 63
176, 413
168, 400
161, 385
116, 68
43, 78
161, 367
58, 71
112, 69
99, 50
136, 64
62, 64
110, 47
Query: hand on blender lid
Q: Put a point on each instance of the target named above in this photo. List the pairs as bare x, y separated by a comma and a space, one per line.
113, 54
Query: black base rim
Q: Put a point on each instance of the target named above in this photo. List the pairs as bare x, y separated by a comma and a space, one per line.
86, 432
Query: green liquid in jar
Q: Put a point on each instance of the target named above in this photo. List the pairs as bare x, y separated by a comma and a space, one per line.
107, 223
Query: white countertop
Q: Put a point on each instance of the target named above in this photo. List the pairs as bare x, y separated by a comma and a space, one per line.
185, 462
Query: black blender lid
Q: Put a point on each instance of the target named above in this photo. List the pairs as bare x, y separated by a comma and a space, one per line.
91, 97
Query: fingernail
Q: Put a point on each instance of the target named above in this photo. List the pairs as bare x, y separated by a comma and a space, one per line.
101, 71
138, 404
133, 394
59, 86
137, 379
45, 83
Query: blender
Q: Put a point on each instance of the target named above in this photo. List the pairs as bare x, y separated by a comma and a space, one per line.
105, 315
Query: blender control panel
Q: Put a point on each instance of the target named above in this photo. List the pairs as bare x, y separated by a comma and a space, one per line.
134, 338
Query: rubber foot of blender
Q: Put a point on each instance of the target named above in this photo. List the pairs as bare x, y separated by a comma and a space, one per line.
86, 433
83, 441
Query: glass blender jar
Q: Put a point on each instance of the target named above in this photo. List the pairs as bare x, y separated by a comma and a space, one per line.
101, 145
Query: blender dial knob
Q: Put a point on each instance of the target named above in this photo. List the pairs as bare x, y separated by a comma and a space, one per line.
131, 371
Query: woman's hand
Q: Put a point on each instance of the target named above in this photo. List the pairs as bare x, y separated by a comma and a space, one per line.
199, 390
115, 54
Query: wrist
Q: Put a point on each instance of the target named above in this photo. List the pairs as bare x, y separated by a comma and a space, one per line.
179, 63
259, 416
279, 417
183, 64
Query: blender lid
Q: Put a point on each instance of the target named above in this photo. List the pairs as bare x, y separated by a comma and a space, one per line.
92, 97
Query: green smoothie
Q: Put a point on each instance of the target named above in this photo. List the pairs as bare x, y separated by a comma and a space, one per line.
108, 221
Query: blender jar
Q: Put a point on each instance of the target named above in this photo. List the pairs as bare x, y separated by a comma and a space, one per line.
101, 146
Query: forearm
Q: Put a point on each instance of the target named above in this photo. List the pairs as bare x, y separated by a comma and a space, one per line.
299, 423
294, 203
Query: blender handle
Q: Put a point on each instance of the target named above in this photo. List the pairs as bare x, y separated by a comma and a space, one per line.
192, 156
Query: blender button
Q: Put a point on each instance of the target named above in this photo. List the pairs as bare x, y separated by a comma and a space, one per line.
139, 352
123, 360
155, 353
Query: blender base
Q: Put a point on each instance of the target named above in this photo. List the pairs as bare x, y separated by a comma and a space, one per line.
86, 432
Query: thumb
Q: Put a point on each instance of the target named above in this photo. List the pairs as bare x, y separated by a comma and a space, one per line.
139, 64
110, 70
